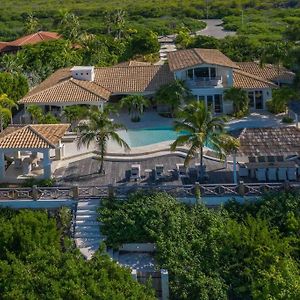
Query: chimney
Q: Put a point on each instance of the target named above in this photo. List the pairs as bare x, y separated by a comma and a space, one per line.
86, 73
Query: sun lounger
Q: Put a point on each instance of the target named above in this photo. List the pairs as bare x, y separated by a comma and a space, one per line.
181, 170
159, 172
135, 172
272, 174
282, 174
261, 174
243, 170
292, 174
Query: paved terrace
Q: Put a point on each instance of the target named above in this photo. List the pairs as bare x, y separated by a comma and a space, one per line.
84, 172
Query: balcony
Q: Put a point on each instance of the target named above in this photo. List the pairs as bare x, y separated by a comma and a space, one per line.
204, 82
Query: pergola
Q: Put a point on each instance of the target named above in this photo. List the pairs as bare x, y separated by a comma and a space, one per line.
28, 148
282, 141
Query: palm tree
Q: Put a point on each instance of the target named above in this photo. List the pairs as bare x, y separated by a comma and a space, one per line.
199, 126
173, 94
135, 105
100, 128
74, 113
6, 105
36, 113
240, 100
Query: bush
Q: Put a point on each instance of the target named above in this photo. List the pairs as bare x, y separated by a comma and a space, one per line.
287, 119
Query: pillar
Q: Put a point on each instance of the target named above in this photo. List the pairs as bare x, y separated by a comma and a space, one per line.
164, 284
59, 151
2, 165
234, 169
47, 164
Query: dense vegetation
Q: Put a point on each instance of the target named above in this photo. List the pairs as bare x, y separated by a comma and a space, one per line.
37, 261
241, 251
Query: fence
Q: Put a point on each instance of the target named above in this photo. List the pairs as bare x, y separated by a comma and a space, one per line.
180, 191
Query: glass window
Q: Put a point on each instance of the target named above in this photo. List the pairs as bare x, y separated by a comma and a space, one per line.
251, 99
201, 72
213, 72
259, 100
218, 104
201, 98
210, 102
190, 73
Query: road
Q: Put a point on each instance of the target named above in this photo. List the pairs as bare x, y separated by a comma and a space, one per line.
215, 29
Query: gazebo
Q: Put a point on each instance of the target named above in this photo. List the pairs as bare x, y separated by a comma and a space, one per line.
271, 153
28, 150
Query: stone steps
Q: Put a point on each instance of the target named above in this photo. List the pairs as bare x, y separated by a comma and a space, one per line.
88, 237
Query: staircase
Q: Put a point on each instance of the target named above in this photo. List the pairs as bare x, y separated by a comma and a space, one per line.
87, 233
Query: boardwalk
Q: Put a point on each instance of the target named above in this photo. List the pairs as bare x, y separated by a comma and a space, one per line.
84, 172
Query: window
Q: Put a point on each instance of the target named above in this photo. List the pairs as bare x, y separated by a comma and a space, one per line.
213, 72
218, 104
259, 100
251, 99
190, 74
210, 102
201, 72
201, 98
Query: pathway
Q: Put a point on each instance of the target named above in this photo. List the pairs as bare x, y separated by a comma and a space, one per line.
87, 229
215, 29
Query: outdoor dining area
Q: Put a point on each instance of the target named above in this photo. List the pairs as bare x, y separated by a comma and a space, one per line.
269, 154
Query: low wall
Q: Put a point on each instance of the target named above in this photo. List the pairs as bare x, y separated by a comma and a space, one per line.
138, 247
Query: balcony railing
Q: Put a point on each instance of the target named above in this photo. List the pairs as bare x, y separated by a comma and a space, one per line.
202, 82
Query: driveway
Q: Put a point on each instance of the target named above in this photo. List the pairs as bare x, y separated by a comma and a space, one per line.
215, 29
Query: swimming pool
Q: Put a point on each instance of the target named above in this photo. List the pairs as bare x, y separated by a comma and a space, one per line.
148, 136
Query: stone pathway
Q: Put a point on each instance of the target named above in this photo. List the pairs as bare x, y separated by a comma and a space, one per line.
87, 229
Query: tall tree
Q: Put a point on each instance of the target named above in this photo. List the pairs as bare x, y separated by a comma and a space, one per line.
199, 127
6, 105
135, 105
69, 26
240, 100
31, 24
99, 128
173, 94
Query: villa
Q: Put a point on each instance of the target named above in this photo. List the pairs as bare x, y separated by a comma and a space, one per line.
207, 72
31, 39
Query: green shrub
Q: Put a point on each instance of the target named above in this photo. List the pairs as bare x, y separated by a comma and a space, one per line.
287, 119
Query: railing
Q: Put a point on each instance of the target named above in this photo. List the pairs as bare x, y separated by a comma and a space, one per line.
178, 191
202, 82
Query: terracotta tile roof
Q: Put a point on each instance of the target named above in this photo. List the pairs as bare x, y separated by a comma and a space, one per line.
40, 36
268, 72
133, 63
269, 141
245, 80
61, 87
183, 59
69, 91
32, 136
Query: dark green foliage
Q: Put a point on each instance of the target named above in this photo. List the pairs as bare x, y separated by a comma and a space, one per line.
14, 85
241, 251
34, 265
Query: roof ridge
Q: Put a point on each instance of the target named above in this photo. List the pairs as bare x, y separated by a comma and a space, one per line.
92, 82
254, 76
31, 127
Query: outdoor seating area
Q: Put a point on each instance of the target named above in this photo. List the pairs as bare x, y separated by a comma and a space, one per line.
272, 154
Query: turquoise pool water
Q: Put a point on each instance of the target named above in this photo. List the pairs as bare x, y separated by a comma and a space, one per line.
148, 136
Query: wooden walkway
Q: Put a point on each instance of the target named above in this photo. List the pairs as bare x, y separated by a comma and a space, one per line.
84, 172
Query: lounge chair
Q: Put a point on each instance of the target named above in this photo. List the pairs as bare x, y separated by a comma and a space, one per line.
135, 172
261, 159
292, 174
272, 174
282, 174
261, 174
159, 172
252, 159
243, 170
181, 170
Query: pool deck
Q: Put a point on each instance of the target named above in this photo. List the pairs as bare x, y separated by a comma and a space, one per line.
84, 172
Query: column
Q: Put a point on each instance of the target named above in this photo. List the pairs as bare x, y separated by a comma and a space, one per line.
59, 151
164, 284
2, 165
234, 168
47, 164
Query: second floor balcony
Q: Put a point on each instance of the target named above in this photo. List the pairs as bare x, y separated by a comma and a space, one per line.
205, 82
